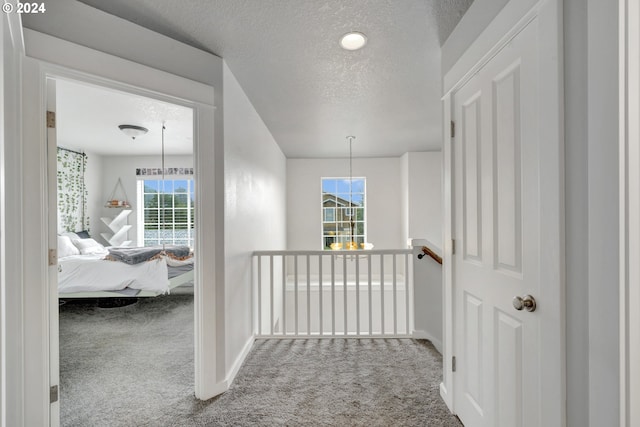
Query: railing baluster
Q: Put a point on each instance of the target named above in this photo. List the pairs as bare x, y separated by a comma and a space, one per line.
395, 299
308, 296
259, 295
370, 295
320, 295
295, 292
344, 282
406, 293
382, 294
271, 293
357, 294
265, 296
284, 295
333, 295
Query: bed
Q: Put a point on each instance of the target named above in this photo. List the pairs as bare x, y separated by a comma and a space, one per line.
87, 269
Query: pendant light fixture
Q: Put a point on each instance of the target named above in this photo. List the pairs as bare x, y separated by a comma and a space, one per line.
351, 244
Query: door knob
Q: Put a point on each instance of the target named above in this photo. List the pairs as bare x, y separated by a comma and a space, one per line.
527, 302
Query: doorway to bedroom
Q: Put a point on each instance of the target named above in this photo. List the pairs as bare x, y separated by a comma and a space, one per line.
126, 206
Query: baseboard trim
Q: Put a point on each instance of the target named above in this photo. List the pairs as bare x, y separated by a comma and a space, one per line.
444, 394
237, 364
424, 335
217, 389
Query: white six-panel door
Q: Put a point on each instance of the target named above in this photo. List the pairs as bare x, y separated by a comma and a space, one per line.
497, 192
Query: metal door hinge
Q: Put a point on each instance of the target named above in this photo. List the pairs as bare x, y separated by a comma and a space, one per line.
51, 119
53, 394
453, 246
453, 129
453, 364
53, 256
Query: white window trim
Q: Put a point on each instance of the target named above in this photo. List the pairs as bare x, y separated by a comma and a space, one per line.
140, 202
322, 207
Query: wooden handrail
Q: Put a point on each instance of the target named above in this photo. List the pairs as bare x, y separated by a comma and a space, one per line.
426, 251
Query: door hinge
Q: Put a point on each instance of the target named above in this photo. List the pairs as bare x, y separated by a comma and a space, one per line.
51, 119
453, 129
453, 246
453, 364
53, 256
53, 394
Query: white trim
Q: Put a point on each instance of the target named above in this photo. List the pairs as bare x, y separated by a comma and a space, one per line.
35, 232
12, 404
424, 335
209, 283
508, 23
103, 68
497, 34
322, 208
223, 386
629, 152
448, 232
237, 364
552, 234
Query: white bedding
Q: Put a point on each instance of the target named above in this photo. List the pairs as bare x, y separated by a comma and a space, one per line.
87, 273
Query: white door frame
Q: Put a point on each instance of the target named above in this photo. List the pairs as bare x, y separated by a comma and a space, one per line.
11, 53
515, 15
629, 151
111, 72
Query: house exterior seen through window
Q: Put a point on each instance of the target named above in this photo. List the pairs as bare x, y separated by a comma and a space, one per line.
343, 211
166, 212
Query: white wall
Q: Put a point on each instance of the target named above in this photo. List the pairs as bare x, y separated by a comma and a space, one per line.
404, 196
383, 200
427, 295
255, 215
603, 207
477, 17
124, 167
576, 208
95, 196
591, 204
424, 196
107, 33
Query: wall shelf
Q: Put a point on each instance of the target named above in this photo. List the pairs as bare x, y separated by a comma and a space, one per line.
118, 225
118, 197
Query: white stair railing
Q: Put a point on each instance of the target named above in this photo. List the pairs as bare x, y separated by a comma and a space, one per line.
333, 293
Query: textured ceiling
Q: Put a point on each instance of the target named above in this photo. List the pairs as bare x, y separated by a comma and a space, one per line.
310, 93
88, 119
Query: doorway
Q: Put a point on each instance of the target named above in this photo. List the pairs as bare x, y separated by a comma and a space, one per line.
117, 192
504, 350
40, 342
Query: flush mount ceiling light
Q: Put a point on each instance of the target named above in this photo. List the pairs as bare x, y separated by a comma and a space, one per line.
133, 131
353, 41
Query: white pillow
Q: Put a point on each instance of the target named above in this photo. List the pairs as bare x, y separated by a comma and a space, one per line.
66, 247
89, 246
70, 234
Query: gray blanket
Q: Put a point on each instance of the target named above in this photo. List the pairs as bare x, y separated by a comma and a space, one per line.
137, 255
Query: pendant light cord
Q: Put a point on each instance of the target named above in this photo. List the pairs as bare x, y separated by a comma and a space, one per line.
351, 221
163, 183
85, 223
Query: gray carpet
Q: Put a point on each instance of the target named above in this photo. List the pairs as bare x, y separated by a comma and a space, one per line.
133, 366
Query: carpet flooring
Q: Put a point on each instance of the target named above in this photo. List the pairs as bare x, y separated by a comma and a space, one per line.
133, 366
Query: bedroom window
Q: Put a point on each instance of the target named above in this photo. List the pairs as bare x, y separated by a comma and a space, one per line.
167, 214
343, 207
